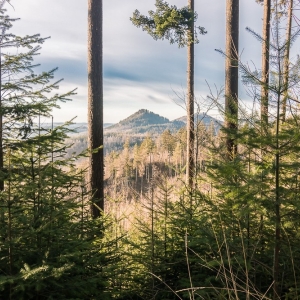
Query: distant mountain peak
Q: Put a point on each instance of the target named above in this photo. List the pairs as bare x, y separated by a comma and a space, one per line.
149, 118
144, 121
142, 117
202, 117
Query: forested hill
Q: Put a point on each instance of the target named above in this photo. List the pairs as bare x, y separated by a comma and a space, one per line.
134, 129
141, 122
145, 121
203, 118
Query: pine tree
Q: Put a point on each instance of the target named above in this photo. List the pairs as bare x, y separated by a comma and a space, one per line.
231, 71
256, 195
177, 25
265, 62
95, 105
287, 58
190, 168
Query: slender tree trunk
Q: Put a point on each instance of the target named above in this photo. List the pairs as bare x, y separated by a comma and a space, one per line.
190, 169
9, 221
2, 221
265, 64
95, 105
286, 60
277, 247
197, 132
231, 75
152, 237
1, 127
142, 176
1, 107
265, 70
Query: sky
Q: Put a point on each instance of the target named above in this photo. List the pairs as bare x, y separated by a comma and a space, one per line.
139, 72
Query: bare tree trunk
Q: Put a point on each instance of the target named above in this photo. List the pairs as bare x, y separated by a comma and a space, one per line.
286, 60
231, 74
265, 64
190, 169
95, 105
1, 106
1, 128
277, 247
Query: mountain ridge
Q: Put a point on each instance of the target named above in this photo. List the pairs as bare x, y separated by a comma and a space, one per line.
144, 121
134, 129
141, 122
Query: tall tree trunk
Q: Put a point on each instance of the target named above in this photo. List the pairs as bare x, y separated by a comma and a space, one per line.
190, 168
2, 221
1, 128
265, 64
95, 105
286, 60
2, 218
231, 75
277, 246
1, 105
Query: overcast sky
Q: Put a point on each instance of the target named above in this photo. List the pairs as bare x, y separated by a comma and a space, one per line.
138, 71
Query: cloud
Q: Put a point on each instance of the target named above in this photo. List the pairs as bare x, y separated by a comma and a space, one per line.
72, 70
121, 73
139, 72
158, 100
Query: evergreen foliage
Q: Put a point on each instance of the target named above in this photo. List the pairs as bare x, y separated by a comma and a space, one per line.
49, 246
168, 22
234, 236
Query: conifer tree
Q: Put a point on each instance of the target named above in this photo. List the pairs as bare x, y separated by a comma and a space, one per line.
95, 105
265, 186
287, 58
24, 94
190, 168
45, 232
177, 25
46, 238
265, 62
231, 71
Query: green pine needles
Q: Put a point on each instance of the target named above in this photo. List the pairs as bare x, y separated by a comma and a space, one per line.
168, 22
50, 248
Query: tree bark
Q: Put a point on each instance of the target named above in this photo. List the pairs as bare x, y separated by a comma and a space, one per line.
190, 169
277, 246
265, 64
95, 106
286, 60
1, 128
231, 75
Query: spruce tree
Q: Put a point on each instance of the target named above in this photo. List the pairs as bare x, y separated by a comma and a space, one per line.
50, 247
256, 194
177, 26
